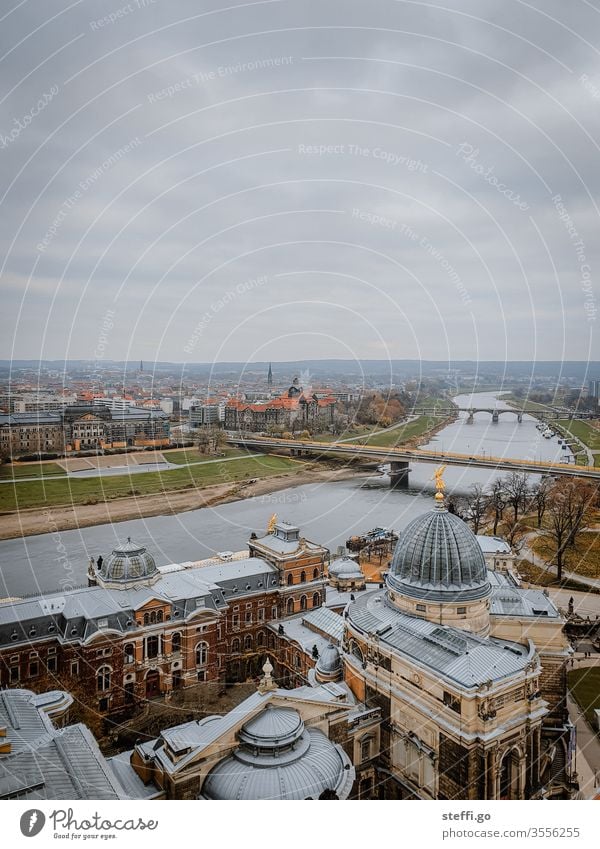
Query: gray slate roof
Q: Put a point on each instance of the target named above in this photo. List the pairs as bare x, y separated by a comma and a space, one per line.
48, 763
464, 658
73, 615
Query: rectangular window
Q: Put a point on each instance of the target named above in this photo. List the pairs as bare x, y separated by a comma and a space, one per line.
51, 664
248, 616
103, 705
261, 615
14, 674
365, 750
461, 610
273, 613
34, 669
102, 623
422, 608
74, 667
235, 623
451, 701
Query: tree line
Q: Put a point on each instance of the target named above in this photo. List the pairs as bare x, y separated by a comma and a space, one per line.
560, 510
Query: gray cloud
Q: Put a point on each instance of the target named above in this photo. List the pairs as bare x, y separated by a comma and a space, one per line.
191, 148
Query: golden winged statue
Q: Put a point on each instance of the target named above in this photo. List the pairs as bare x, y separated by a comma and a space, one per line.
272, 523
440, 484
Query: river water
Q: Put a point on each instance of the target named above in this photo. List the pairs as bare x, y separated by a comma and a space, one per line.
327, 513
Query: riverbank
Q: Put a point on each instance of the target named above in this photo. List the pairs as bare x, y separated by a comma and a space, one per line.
33, 521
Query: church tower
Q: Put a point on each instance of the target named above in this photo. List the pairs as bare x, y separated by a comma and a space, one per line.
270, 376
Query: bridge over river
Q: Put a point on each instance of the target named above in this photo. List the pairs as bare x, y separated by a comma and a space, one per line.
400, 458
495, 412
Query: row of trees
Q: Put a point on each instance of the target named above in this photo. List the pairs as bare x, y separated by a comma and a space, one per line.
559, 508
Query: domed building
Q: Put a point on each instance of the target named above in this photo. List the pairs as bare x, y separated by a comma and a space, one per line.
468, 667
128, 564
438, 572
346, 575
329, 666
280, 758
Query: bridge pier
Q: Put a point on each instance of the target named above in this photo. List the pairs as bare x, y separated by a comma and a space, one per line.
471, 417
495, 416
519, 417
399, 474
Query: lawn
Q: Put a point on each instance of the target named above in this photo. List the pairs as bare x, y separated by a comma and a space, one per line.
584, 685
403, 433
589, 435
94, 490
522, 403
183, 456
30, 470
583, 558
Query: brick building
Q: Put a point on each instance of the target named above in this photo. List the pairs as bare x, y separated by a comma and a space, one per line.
139, 631
295, 409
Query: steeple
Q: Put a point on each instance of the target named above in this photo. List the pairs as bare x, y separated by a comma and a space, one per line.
270, 376
141, 366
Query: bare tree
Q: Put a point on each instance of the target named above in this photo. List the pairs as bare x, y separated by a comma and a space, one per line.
478, 503
516, 490
539, 496
497, 502
514, 534
569, 507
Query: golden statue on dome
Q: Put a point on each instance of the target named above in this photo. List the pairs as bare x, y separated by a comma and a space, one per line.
272, 523
440, 484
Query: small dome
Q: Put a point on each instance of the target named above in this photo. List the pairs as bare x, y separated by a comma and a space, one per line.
438, 558
128, 562
329, 664
279, 758
272, 728
345, 567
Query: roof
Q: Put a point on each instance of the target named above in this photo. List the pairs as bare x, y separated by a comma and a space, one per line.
73, 614
46, 762
458, 655
438, 558
493, 545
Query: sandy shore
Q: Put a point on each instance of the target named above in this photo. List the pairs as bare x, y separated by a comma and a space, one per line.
49, 519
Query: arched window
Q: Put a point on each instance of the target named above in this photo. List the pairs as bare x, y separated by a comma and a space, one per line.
129, 652
176, 641
146, 619
315, 574
159, 616
316, 599
302, 577
303, 602
103, 679
201, 654
235, 646
248, 643
290, 579
260, 638
290, 605
152, 647
153, 618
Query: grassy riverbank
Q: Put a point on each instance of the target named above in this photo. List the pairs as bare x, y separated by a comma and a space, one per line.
63, 491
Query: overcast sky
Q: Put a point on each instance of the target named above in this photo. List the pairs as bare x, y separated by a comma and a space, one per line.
193, 180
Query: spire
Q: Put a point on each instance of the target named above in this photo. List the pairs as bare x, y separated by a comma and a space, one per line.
270, 376
141, 366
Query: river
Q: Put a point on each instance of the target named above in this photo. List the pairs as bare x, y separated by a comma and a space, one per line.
327, 513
